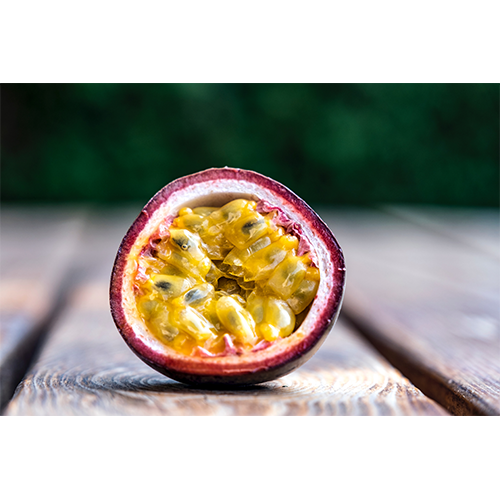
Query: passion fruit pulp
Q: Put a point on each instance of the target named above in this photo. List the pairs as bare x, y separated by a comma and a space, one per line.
226, 278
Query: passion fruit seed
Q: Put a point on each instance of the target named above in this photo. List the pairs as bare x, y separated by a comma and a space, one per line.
225, 276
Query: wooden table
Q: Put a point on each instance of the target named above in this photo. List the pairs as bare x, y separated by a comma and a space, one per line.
418, 334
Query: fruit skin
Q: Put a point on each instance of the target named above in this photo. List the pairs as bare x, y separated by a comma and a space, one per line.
251, 368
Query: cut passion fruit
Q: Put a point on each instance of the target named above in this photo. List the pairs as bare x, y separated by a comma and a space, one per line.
226, 278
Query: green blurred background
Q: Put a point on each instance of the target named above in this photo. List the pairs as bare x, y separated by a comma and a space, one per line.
332, 144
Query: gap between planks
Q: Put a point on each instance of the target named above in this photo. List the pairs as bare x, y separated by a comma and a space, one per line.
35, 262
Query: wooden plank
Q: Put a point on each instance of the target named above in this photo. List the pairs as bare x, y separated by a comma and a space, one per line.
430, 304
36, 245
85, 368
478, 228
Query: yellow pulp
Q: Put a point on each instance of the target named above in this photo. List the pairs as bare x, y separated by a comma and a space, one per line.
225, 276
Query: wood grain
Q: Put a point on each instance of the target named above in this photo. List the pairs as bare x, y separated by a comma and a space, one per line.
36, 249
428, 302
85, 368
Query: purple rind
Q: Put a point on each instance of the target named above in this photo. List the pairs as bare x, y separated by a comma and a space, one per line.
194, 370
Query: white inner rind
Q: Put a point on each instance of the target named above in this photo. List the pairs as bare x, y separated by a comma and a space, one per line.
217, 193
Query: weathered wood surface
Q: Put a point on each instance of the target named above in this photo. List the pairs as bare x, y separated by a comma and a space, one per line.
428, 301
476, 228
36, 246
85, 368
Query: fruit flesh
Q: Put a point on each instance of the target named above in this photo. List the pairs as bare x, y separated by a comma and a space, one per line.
226, 280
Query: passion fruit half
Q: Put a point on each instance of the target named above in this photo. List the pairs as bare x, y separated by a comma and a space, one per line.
226, 278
